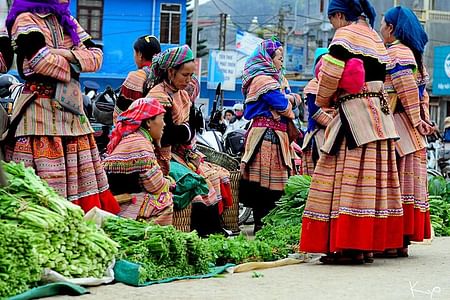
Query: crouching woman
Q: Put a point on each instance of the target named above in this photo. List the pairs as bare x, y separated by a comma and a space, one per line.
131, 163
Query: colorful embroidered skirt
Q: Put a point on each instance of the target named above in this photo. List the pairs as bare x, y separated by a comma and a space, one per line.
412, 169
267, 166
354, 201
71, 165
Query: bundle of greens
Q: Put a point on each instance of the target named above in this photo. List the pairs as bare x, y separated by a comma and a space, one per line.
67, 244
289, 208
282, 239
238, 250
439, 200
19, 262
162, 251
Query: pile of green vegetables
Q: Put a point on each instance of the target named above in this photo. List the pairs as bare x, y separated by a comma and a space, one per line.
40, 229
162, 251
282, 225
439, 199
279, 235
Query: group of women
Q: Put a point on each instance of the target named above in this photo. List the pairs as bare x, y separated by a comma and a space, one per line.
366, 150
152, 146
365, 145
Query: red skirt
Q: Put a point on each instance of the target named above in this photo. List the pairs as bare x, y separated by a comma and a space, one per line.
70, 165
412, 169
354, 201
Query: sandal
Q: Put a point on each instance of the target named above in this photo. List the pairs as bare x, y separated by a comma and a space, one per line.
347, 258
388, 253
368, 257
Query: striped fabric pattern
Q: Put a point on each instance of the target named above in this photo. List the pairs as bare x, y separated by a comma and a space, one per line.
168, 59
404, 83
329, 77
359, 38
135, 154
178, 100
412, 170
311, 87
267, 167
52, 65
354, 201
259, 86
45, 116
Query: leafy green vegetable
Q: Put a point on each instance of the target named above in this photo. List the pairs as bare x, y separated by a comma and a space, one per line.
60, 238
162, 251
19, 261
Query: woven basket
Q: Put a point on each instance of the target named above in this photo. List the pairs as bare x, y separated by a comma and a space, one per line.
222, 159
182, 219
231, 214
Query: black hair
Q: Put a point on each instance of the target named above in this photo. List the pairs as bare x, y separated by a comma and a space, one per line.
148, 46
419, 60
229, 111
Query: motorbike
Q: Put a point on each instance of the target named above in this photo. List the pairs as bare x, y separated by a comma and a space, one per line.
99, 108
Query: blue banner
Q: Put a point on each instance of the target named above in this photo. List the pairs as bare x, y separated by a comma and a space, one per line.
441, 74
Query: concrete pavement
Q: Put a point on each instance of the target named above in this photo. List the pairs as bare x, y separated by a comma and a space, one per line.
423, 275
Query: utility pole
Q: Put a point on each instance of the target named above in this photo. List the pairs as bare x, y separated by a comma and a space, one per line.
195, 28
291, 31
280, 29
222, 31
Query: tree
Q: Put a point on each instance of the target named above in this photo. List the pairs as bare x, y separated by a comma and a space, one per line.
202, 49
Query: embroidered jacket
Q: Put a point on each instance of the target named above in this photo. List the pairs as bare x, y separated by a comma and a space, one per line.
33, 37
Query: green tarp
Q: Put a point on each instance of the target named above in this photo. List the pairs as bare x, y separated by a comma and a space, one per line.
52, 289
128, 273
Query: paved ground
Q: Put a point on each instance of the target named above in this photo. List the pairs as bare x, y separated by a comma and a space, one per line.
424, 275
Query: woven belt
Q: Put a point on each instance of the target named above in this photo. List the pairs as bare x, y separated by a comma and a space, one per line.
384, 104
42, 89
269, 123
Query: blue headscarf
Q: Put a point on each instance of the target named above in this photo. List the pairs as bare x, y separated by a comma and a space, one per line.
319, 53
407, 27
353, 9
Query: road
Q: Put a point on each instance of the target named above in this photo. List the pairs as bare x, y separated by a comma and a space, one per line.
423, 275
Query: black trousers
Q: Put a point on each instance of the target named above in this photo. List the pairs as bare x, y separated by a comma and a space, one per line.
261, 199
205, 219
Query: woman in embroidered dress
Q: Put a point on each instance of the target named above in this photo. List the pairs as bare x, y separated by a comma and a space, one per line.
135, 85
266, 162
318, 120
131, 163
172, 74
53, 135
406, 79
6, 51
354, 205
6, 59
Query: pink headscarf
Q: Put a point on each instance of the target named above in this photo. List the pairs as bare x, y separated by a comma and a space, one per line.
131, 120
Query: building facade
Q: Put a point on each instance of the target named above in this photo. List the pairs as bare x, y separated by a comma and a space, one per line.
116, 25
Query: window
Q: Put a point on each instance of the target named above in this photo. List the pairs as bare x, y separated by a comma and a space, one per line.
170, 20
90, 17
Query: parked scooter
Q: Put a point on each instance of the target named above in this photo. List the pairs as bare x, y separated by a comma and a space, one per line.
99, 108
